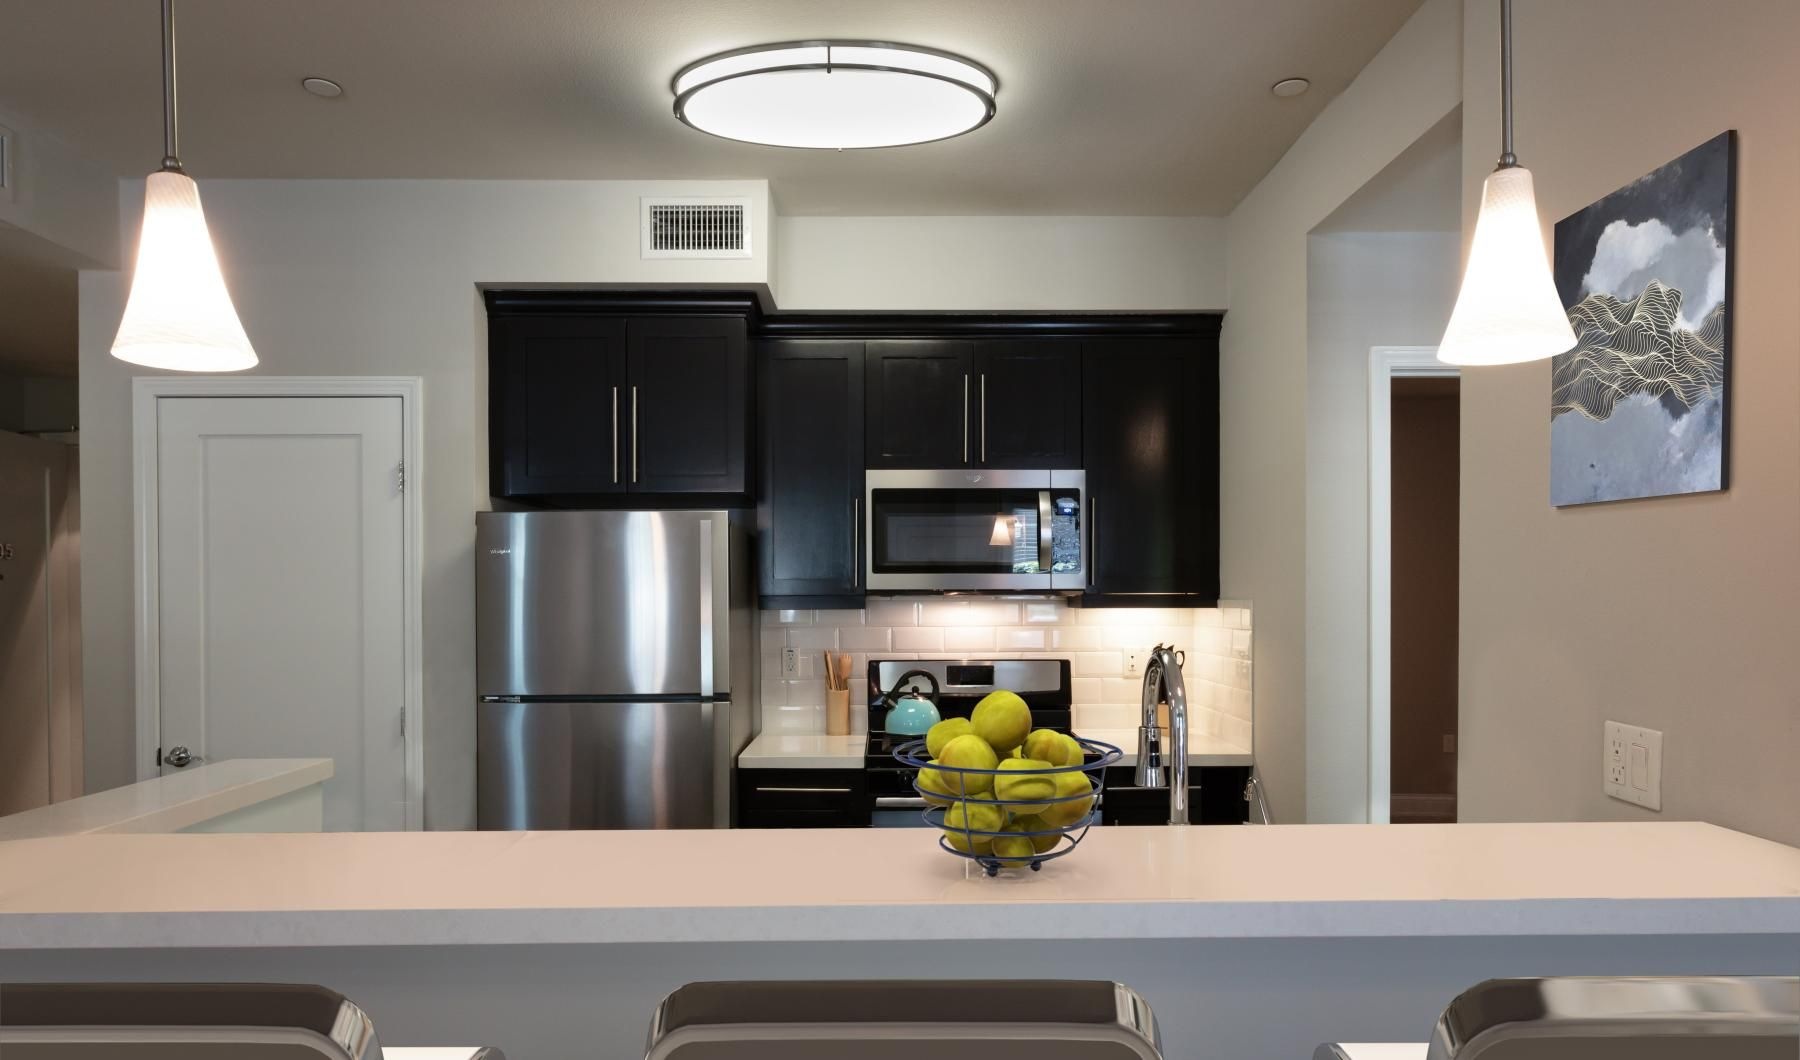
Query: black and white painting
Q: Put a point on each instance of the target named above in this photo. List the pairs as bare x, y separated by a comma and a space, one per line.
1638, 407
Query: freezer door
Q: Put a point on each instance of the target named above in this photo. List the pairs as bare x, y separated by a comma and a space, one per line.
599, 603
574, 764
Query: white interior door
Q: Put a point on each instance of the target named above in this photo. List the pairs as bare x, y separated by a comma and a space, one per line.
281, 549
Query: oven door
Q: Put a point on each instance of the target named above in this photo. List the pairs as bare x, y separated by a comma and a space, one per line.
893, 811
995, 531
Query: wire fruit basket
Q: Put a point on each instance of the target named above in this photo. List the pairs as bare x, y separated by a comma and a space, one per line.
1054, 824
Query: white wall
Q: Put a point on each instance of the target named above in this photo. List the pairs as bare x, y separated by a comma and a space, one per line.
1407, 89
61, 197
1062, 263
1674, 613
1363, 289
366, 278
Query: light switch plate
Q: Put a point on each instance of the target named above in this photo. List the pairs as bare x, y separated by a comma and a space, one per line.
1631, 764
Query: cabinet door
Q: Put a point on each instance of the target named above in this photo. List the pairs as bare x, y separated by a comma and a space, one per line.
1027, 395
1150, 430
809, 501
556, 405
687, 412
919, 397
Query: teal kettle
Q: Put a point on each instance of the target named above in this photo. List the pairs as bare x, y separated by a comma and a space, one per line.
910, 711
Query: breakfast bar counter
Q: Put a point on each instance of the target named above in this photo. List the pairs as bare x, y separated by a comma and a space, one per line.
1268, 940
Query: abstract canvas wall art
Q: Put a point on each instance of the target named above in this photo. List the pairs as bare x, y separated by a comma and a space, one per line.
1638, 408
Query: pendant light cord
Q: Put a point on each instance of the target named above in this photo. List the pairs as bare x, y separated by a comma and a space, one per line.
171, 139
1507, 159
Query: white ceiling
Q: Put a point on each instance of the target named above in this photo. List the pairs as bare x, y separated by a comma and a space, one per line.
1106, 106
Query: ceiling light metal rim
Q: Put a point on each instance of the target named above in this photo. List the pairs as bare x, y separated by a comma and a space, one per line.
989, 107
920, 49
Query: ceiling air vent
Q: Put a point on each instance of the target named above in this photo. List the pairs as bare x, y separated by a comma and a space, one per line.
696, 228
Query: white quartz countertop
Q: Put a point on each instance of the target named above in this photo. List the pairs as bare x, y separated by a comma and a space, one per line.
793, 750
787, 750
171, 803
874, 885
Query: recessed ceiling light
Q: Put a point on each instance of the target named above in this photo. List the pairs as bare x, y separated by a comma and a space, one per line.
322, 87
835, 94
1290, 87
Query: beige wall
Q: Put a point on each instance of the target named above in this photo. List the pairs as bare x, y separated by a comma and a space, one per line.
1067, 263
367, 278
1406, 90
1676, 613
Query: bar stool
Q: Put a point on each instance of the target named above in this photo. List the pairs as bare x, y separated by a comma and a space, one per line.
193, 1021
1649, 1018
892, 1019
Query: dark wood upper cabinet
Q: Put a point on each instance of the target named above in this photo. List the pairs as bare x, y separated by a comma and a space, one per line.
1150, 439
1027, 403
688, 404
919, 393
555, 425
593, 405
809, 495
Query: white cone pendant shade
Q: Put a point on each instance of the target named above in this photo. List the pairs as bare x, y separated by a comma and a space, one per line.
1508, 310
179, 314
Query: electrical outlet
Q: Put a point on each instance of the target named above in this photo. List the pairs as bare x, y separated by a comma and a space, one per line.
790, 662
1134, 663
1631, 764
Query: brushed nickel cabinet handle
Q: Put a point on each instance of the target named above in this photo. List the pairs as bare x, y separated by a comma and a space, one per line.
855, 528
965, 417
634, 434
984, 417
615, 434
808, 791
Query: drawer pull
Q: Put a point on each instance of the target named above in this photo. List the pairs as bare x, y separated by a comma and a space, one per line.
898, 803
803, 791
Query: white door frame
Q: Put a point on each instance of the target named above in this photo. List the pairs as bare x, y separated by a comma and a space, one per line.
1385, 364
145, 391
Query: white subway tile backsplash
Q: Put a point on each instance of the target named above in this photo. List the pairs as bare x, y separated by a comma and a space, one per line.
864, 638
1216, 642
918, 638
969, 639
1019, 640
968, 613
812, 638
1097, 663
892, 613
1076, 638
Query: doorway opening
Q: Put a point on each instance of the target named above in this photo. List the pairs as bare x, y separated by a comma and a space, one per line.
1414, 481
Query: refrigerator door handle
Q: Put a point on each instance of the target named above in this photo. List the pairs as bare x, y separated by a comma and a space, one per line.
706, 608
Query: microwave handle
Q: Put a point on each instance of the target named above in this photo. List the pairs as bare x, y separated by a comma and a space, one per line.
1045, 556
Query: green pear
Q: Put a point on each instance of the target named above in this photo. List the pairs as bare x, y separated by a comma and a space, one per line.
1023, 794
945, 731
964, 822
968, 752
1043, 844
1073, 800
1002, 719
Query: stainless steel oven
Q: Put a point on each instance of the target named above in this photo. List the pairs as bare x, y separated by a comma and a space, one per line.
974, 530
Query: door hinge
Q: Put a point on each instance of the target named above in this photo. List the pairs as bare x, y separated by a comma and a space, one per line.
400, 476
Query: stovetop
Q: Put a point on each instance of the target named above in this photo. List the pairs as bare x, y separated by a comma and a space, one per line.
1044, 684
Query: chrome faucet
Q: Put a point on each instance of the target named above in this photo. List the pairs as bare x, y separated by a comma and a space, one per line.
1162, 683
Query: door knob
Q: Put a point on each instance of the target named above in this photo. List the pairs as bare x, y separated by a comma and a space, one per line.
179, 756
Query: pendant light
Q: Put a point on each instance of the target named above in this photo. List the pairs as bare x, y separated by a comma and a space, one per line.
1508, 310
179, 315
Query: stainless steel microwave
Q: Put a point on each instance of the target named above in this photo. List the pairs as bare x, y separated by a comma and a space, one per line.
974, 530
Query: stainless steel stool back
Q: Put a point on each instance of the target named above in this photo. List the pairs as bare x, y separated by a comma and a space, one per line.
1662, 1018
894, 1019
174, 1021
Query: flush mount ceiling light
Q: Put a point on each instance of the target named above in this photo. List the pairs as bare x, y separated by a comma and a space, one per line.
323, 87
1288, 88
836, 94
179, 314
1508, 310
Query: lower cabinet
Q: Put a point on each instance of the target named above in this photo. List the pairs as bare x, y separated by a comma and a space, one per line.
802, 798
1215, 796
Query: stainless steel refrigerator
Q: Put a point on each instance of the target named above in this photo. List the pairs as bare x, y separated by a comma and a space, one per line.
615, 666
